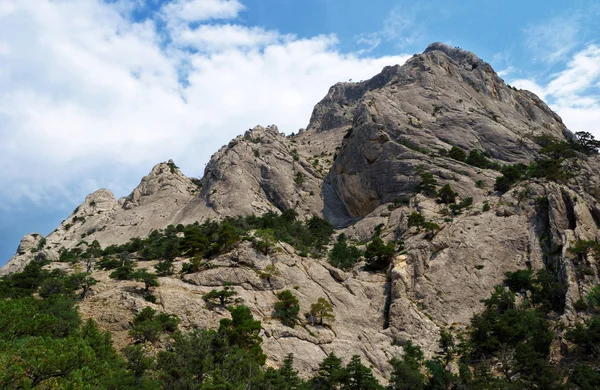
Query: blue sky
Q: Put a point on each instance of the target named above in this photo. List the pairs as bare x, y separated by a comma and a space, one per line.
94, 93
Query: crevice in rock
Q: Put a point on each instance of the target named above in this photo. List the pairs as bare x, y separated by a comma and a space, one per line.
570, 212
387, 292
596, 216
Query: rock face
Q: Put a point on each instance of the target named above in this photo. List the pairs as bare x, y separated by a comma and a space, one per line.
358, 164
358, 298
398, 122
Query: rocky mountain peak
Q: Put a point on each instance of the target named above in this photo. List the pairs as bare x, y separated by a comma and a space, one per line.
458, 55
164, 179
444, 115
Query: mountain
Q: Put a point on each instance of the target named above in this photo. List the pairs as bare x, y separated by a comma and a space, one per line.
362, 163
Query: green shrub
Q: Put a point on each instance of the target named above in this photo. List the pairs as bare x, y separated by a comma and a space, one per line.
428, 184
342, 255
148, 326
222, 297
150, 298
457, 154
149, 280
479, 159
379, 255
164, 268
447, 194
415, 219
196, 264
580, 305
321, 311
287, 308
593, 298
124, 271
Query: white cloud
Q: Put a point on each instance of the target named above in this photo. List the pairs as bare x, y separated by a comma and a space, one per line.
573, 92
552, 40
581, 73
530, 85
223, 37
402, 27
200, 10
506, 71
89, 99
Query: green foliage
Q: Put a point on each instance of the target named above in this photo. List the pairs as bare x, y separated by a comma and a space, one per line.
502, 184
479, 159
70, 255
196, 264
428, 184
359, 377
222, 297
431, 227
549, 169
269, 271
406, 372
593, 298
547, 293
242, 330
140, 365
212, 238
584, 377
321, 311
149, 279
418, 220
172, 167
586, 337
457, 154
148, 326
586, 143
342, 255
265, 241
457, 208
164, 268
330, 374
43, 343
107, 263
447, 194
415, 219
379, 254
397, 202
287, 308
582, 248
523, 334
299, 178
486, 206
123, 272
41, 244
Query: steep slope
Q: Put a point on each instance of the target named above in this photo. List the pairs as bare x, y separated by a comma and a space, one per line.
408, 116
359, 164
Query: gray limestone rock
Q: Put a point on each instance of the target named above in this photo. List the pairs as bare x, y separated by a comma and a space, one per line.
358, 163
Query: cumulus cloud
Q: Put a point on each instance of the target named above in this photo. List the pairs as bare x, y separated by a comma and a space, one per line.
200, 10
546, 44
573, 92
89, 98
223, 37
403, 26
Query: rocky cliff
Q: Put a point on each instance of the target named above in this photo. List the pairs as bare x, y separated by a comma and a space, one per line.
359, 164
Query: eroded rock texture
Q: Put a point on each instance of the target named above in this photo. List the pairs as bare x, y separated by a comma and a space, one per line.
364, 147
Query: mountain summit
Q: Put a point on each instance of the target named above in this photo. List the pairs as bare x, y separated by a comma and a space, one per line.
464, 177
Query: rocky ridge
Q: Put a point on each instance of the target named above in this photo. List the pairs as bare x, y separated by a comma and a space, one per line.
358, 164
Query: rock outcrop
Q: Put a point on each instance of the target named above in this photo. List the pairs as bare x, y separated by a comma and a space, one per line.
358, 164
